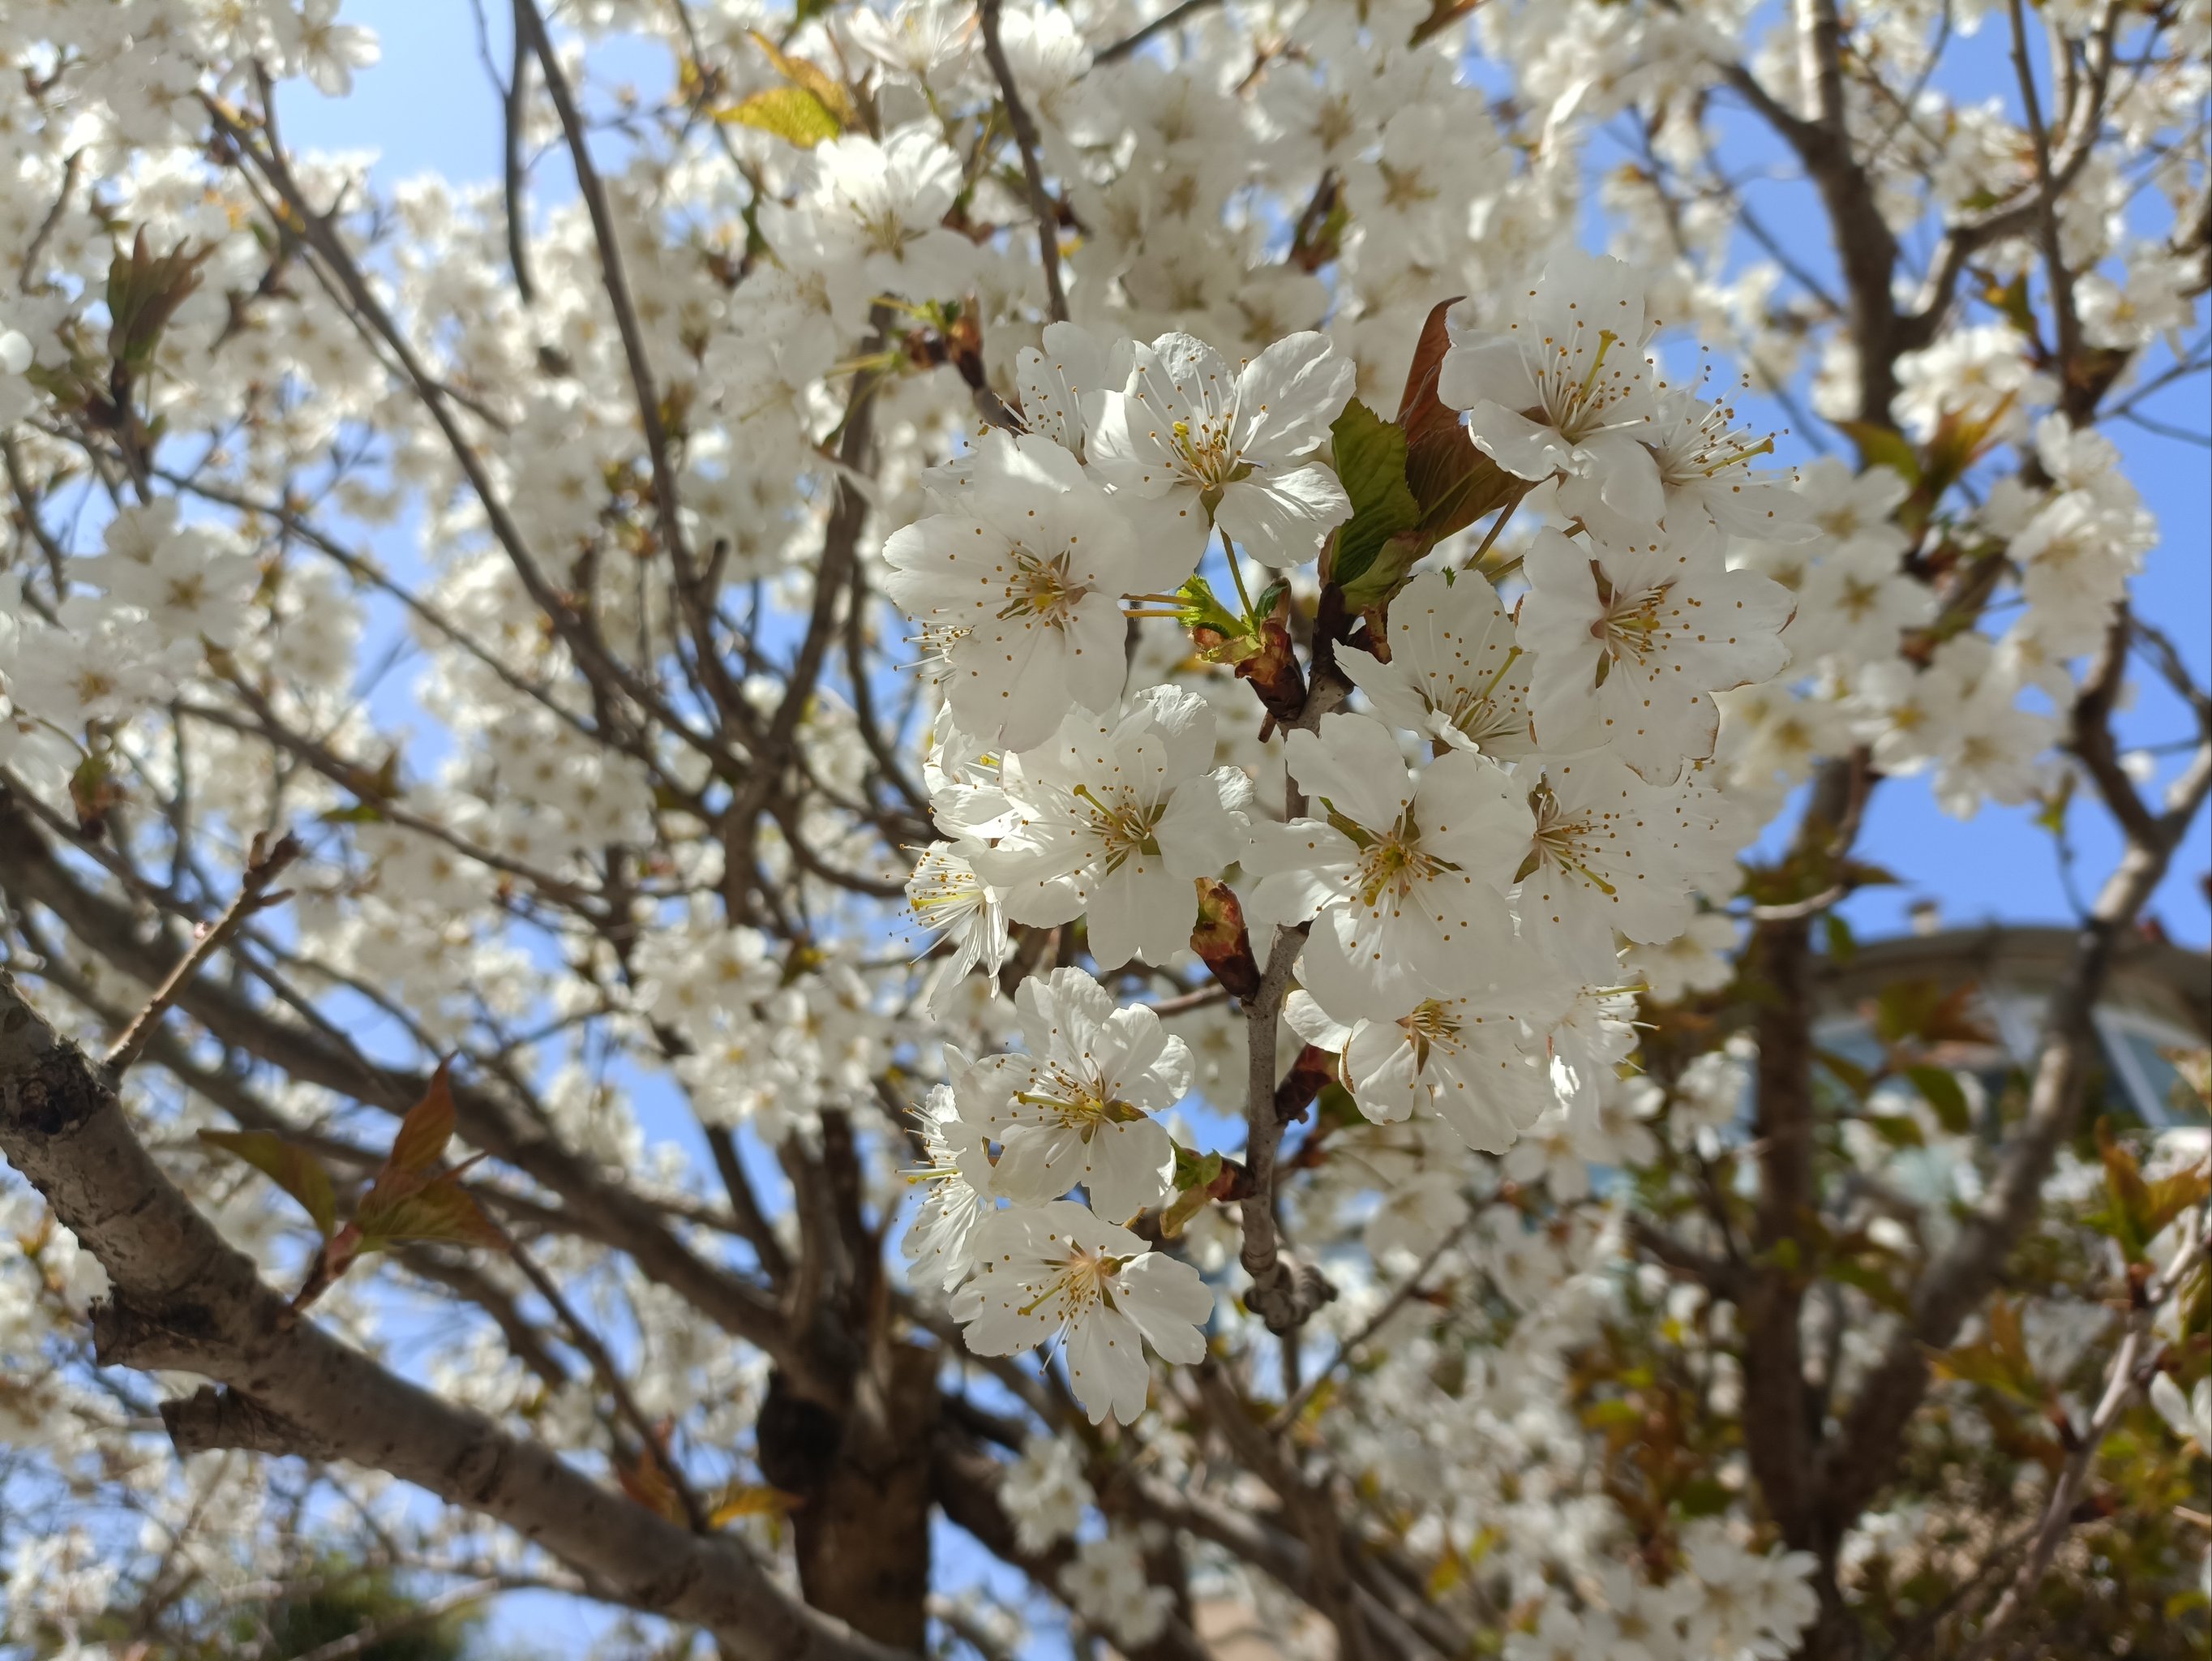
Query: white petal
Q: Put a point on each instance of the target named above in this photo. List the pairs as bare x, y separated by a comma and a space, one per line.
1279, 518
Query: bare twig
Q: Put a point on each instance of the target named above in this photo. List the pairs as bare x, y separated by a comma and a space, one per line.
1283, 1293
515, 100
265, 863
40, 237
1026, 141
1173, 16
1408, 1289
2130, 1372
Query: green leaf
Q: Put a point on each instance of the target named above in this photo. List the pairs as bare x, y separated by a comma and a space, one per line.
1897, 1129
289, 1166
144, 290
2169, 1196
1370, 464
829, 91
2137, 1211
1853, 1077
1194, 1170
1702, 1497
1998, 1361
1939, 1086
792, 113
1856, 1272
2051, 814
1843, 946
1615, 1413
1923, 1010
1884, 446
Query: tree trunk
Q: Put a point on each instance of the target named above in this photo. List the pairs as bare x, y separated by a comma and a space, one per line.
862, 1477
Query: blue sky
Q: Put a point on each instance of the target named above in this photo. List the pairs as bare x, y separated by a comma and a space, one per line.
428, 108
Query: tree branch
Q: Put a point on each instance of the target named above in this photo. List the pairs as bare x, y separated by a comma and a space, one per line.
1858, 1461
1172, 17
1026, 141
265, 863
182, 1299
1283, 1293
2129, 1372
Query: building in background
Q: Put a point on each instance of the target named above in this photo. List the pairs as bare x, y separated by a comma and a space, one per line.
2157, 1005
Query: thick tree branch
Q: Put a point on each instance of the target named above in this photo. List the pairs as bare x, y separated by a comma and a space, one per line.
609, 1211
183, 1301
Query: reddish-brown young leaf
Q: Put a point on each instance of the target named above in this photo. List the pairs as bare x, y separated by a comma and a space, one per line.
427, 1128
645, 1479
1455, 483
442, 1209
1220, 939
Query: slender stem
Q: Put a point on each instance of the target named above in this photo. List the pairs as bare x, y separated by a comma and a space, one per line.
1236, 575
1167, 19
265, 862
1026, 141
2130, 1372
603, 1364
1407, 1291
1497, 525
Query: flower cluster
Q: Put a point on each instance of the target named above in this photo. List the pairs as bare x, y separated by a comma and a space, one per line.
1228, 512
1451, 872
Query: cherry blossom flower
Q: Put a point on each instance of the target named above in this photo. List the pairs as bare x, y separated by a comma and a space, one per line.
1564, 387
1108, 1585
1476, 1062
1114, 819
1704, 468
1456, 673
1026, 582
1610, 853
1046, 1493
1079, 1106
957, 1176
1632, 644
1215, 446
949, 898
1055, 1271
1404, 873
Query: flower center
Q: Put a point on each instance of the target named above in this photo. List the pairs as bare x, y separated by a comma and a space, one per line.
1045, 589
1478, 712
1394, 863
1627, 625
1578, 393
1429, 1026
1567, 844
1123, 826
1077, 1103
1081, 1284
1708, 447
1204, 451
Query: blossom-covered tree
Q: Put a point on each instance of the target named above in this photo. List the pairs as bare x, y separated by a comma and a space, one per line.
1031, 845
